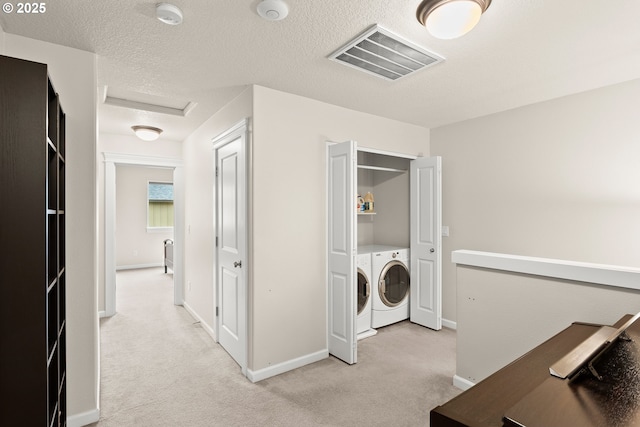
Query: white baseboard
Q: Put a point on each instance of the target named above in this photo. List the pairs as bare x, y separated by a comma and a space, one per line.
138, 266
195, 315
449, 324
259, 375
280, 368
83, 419
462, 383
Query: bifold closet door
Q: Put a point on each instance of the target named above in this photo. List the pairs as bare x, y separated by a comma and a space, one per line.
426, 242
341, 256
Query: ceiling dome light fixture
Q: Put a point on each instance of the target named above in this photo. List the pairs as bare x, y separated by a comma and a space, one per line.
273, 10
147, 133
169, 13
448, 19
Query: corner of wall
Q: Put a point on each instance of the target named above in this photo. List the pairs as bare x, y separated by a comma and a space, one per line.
197, 155
1, 40
83, 419
462, 383
289, 365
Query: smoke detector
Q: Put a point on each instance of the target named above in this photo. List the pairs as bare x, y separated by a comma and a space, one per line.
273, 10
169, 13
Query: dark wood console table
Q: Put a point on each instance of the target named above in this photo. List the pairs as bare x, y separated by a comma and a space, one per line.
524, 393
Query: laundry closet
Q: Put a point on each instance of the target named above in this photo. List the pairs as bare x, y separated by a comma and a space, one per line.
387, 178
382, 263
383, 254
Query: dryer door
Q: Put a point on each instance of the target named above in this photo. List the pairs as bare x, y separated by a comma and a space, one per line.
393, 287
364, 290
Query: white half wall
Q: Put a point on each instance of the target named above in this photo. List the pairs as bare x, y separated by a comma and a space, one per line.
503, 314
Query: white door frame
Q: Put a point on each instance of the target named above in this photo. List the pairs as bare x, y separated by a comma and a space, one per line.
110, 162
437, 231
243, 129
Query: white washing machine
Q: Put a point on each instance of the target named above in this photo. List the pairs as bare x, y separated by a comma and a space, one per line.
364, 290
391, 286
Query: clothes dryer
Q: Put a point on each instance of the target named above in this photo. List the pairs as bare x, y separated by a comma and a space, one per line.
364, 294
391, 293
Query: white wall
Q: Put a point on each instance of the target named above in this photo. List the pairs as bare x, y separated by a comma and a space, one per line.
289, 220
391, 191
2, 48
136, 247
130, 145
73, 73
287, 297
199, 179
392, 223
558, 179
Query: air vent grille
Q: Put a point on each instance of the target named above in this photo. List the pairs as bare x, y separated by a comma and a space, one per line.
384, 54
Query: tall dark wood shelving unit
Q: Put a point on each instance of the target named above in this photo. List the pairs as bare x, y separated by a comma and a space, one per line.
32, 247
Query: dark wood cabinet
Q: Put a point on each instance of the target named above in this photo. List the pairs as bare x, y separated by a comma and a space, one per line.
524, 393
32, 247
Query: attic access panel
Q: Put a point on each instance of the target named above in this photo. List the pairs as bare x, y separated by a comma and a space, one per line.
380, 52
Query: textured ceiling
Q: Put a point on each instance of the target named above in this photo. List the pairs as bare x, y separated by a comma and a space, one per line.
523, 51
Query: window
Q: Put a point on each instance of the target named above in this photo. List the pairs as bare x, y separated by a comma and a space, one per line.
160, 205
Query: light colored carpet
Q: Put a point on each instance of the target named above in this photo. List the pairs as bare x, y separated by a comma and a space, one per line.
160, 368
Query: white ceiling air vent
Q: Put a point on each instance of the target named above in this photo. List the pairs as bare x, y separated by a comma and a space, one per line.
380, 52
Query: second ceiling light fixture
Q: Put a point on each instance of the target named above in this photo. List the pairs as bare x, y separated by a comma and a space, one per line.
448, 19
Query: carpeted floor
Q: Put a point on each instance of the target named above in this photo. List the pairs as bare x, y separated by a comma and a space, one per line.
160, 368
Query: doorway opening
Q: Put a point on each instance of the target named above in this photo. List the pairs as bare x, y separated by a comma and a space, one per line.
111, 160
404, 235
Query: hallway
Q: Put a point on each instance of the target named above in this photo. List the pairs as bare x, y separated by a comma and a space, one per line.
160, 368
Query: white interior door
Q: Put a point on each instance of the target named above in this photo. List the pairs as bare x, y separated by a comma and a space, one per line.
231, 244
426, 242
341, 256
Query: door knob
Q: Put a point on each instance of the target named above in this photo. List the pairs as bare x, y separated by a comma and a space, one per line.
432, 250
237, 264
